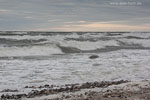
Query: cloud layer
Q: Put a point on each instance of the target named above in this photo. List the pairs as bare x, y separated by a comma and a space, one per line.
75, 15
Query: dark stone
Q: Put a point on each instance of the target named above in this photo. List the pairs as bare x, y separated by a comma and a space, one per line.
93, 56
9, 90
46, 86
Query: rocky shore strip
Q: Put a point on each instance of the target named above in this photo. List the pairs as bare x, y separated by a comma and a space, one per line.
116, 94
126, 91
53, 89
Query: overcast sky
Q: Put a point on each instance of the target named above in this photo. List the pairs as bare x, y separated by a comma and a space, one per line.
75, 15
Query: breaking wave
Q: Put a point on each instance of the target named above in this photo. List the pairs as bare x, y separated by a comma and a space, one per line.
30, 51
49, 43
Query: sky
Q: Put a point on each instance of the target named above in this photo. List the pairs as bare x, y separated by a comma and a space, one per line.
74, 15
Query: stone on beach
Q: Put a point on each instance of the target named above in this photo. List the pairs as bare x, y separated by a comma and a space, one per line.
93, 56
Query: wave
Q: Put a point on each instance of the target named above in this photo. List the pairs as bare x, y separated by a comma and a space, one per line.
17, 42
35, 33
30, 51
53, 47
69, 42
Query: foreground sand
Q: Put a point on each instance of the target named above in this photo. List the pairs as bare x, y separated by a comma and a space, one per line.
118, 90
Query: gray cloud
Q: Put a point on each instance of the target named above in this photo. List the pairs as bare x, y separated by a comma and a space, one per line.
34, 14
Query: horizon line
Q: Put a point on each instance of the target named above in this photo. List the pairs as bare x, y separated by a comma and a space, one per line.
64, 31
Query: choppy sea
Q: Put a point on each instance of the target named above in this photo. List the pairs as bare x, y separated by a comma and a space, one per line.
38, 58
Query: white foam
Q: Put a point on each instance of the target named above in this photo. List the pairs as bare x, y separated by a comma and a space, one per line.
44, 50
87, 45
142, 42
137, 34
124, 64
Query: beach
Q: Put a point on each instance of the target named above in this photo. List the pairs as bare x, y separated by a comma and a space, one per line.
116, 90
74, 50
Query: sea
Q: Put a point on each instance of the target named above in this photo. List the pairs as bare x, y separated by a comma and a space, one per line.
30, 58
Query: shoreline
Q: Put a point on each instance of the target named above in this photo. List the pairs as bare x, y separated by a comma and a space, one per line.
107, 90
